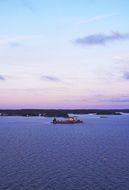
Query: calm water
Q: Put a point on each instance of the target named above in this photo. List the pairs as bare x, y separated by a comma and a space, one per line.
35, 154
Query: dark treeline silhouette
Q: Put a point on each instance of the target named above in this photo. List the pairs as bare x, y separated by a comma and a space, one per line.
60, 112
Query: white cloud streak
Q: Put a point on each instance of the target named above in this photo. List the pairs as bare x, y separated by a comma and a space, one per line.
97, 18
7, 40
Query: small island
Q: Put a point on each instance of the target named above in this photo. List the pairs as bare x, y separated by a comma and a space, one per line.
60, 112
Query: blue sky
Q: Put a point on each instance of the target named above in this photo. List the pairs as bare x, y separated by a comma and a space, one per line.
64, 54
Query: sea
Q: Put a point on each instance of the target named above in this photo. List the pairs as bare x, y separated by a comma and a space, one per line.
38, 155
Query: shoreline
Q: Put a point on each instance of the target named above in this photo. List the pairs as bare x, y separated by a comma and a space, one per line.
60, 112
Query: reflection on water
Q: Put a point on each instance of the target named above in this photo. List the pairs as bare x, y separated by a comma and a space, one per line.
35, 154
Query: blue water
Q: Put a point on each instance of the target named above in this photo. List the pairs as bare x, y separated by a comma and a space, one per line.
37, 155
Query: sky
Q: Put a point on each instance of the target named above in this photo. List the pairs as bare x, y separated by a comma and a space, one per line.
64, 54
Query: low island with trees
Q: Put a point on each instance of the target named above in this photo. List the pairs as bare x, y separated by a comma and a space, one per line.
60, 112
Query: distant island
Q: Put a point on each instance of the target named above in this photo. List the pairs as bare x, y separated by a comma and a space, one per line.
60, 112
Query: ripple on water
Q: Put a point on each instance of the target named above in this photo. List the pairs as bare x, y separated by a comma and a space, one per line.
37, 155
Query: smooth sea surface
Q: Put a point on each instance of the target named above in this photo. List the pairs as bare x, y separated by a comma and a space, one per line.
38, 155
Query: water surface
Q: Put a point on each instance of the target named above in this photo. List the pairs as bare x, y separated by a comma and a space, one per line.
37, 155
